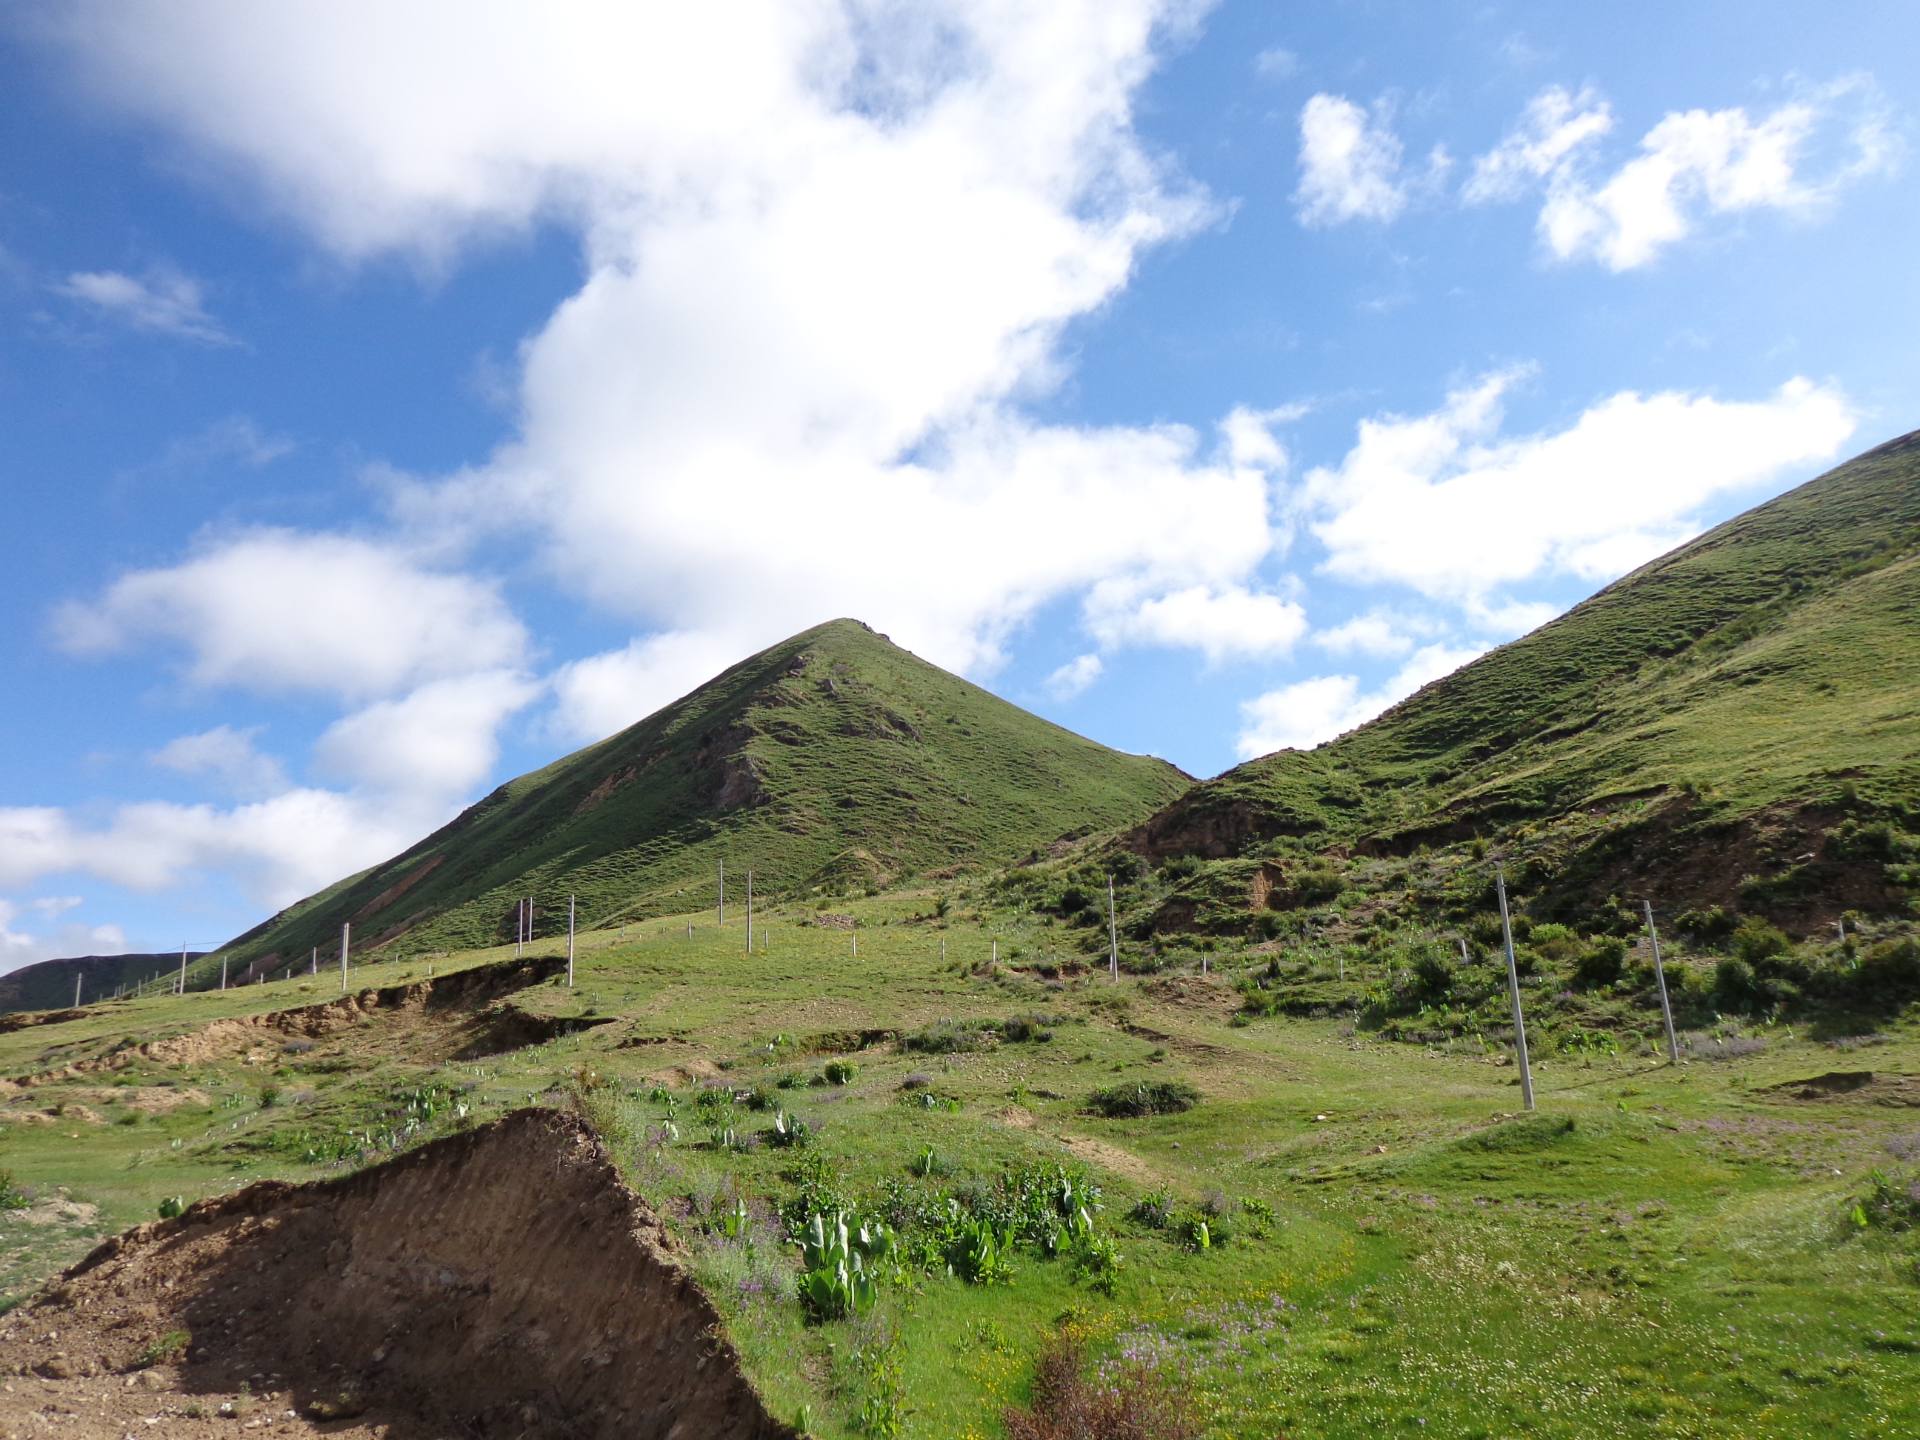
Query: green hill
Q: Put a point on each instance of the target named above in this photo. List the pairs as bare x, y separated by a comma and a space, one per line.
1736, 723
48, 984
833, 761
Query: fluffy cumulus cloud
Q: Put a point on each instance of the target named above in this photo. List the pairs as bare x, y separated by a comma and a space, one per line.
1691, 164
430, 746
280, 848
26, 941
164, 301
1349, 164
1228, 622
1448, 506
1072, 679
828, 249
1311, 712
227, 757
281, 610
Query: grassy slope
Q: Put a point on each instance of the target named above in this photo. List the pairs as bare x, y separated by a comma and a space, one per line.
1662, 1251
834, 760
48, 984
1772, 664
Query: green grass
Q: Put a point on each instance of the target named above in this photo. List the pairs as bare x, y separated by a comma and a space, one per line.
1656, 1248
1716, 714
831, 763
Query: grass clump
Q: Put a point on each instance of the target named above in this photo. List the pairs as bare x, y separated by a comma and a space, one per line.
164, 1349
1132, 1100
12, 1197
1068, 1403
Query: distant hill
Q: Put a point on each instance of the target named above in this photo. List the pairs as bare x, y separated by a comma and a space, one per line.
832, 761
48, 984
1735, 723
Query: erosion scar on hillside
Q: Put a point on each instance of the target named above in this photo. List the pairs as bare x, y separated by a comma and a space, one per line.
503, 1282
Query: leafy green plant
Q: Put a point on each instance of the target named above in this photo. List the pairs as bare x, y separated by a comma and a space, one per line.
12, 1197
839, 1072
788, 1132
838, 1255
172, 1207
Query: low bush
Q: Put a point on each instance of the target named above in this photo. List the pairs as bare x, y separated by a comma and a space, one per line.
1601, 964
1888, 974
839, 1072
12, 1197
1143, 1097
1139, 1403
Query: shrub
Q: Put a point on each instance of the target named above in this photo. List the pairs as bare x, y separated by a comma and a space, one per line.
1736, 987
1315, 884
1705, 927
1889, 973
1891, 1203
12, 1197
1603, 963
1143, 1097
164, 1348
172, 1206
1138, 1404
1022, 1028
839, 1072
1154, 1211
947, 1037
1756, 942
1432, 973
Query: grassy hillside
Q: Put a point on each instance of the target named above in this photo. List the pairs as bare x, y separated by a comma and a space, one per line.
831, 763
1738, 721
1726, 1248
48, 984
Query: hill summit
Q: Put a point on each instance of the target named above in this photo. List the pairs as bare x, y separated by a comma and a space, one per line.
831, 761
1736, 723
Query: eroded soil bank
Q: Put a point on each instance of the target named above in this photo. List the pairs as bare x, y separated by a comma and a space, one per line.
463, 1015
503, 1282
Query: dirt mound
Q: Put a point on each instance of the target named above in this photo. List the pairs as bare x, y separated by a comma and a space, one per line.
1867, 1087
458, 1001
503, 1282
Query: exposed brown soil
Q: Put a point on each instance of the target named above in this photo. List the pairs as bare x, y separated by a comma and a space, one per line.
503, 1282
25, 1019
461, 1015
1865, 1087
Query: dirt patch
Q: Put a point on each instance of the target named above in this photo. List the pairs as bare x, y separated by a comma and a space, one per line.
507, 1027
688, 1072
1018, 1116
1110, 1157
451, 1000
503, 1282
27, 1019
1864, 1087
55, 1210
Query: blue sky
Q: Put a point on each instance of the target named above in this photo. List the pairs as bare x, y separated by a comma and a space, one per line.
391, 401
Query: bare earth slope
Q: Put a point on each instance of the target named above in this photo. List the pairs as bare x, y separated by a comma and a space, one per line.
502, 1282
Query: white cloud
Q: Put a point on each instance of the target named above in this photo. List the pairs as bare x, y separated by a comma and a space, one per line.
1446, 505
1072, 679
826, 253
226, 756
1311, 712
1692, 163
1276, 62
1349, 164
230, 442
1557, 125
1225, 622
605, 693
24, 947
432, 746
1374, 633
165, 302
52, 906
277, 610
280, 848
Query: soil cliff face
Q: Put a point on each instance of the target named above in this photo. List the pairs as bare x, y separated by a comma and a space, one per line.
503, 1282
